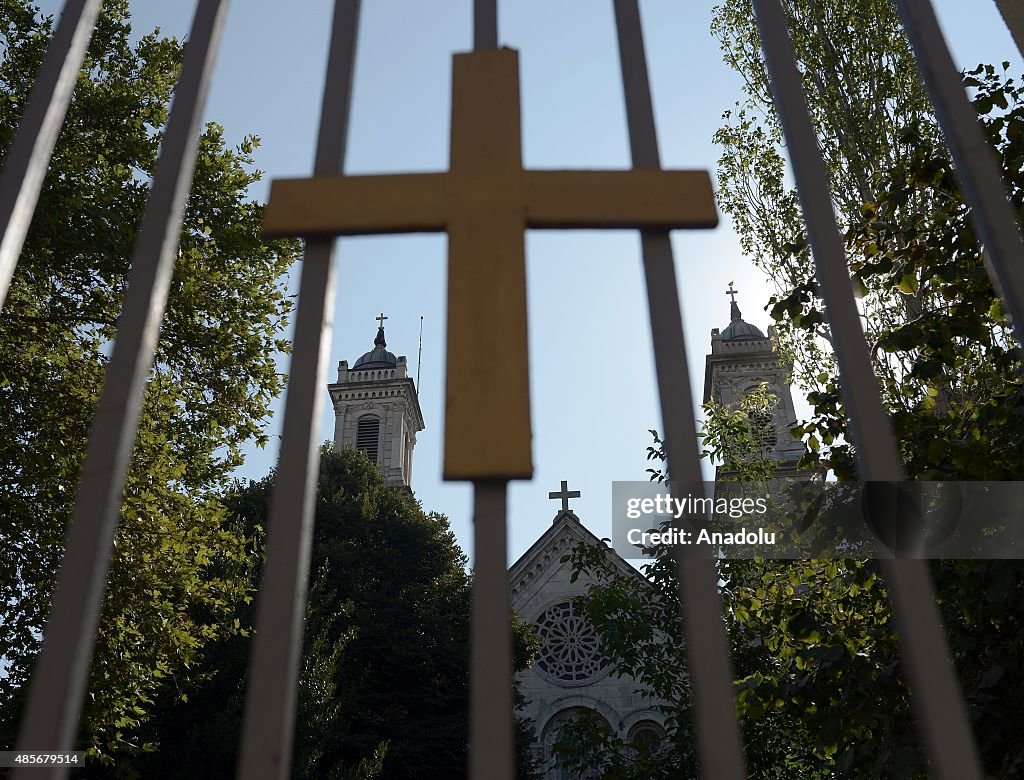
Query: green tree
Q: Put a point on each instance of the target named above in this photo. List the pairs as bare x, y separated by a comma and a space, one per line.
862, 92
957, 391
385, 670
180, 569
820, 690
940, 343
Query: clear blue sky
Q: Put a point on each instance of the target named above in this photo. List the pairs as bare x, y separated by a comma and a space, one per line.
592, 374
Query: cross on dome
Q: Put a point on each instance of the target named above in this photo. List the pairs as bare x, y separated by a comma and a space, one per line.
734, 309
378, 356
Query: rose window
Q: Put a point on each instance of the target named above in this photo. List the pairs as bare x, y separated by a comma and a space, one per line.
571, 648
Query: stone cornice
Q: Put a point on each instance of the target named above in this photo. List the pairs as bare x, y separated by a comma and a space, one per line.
384, 391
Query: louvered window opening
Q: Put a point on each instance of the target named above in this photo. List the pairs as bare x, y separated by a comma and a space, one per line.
368, 435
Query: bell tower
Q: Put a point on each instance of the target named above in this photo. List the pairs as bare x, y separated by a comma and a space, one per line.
377, 410
741, 359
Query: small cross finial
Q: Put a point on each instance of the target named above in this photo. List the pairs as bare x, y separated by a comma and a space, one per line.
565, 494
380, 341
734, 309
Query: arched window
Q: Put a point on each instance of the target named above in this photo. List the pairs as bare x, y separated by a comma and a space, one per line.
560, 766
368, 435
646, 736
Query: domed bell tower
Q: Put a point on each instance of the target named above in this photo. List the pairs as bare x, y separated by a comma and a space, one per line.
377, 410
741, 359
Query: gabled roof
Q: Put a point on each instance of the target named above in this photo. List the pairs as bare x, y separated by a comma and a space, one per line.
566, 523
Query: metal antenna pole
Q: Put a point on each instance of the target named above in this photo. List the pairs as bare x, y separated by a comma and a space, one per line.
419, 356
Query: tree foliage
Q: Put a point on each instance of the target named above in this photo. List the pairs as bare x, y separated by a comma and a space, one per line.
180, 568
384, 679
953, 377
638, 619
862, 91
941, 346
819, 684
940, 342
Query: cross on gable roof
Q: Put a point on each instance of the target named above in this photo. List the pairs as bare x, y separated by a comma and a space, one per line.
565, 494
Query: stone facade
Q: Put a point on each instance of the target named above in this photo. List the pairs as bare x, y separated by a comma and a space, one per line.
378, 391
570, 673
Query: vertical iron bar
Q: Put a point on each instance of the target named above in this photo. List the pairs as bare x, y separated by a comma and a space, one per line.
936, 692
491, 737
491, 732
29, 155
719, 750
485, 24
1012, 12
268, 726
61, 672
976, 167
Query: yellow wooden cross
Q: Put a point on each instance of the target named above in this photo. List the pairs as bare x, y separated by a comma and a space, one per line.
485, 202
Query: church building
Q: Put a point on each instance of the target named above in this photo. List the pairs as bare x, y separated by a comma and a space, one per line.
570, 673
377, 410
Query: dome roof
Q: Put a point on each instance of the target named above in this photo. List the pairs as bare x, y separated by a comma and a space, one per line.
378, 357
738, 329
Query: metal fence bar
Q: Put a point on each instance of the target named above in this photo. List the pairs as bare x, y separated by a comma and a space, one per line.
976, 168
719, 750
1012, 12
30, 153
485, 24
62, 669
491, 730
268, 726
491, 733
936, 692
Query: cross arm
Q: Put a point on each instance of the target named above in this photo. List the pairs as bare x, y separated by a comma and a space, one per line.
356, 205
424, 202
634, 199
